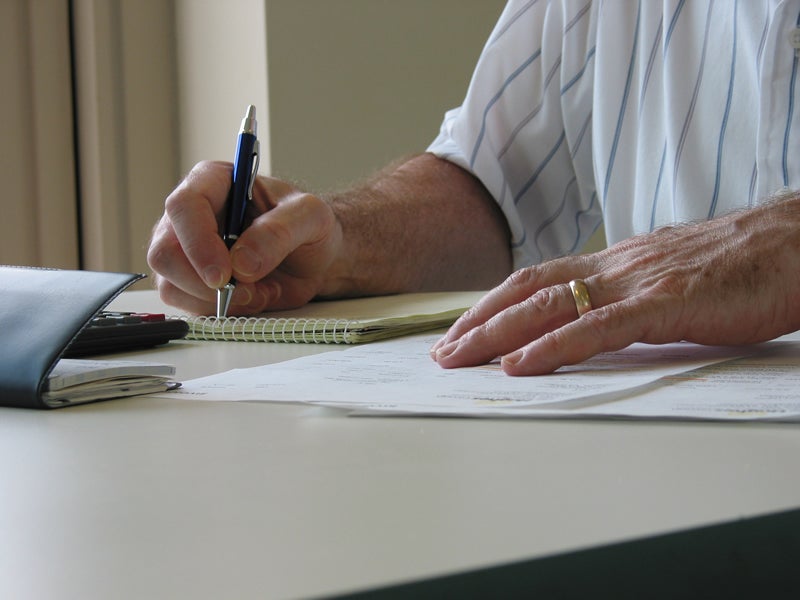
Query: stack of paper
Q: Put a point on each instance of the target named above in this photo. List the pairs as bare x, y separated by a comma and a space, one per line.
673, 381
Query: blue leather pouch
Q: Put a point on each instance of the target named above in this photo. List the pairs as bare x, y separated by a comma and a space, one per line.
41, 312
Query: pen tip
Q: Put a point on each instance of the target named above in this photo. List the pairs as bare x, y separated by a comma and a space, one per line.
251, 112
224, 300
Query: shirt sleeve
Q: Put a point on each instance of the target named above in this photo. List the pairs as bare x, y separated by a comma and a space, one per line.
524, 128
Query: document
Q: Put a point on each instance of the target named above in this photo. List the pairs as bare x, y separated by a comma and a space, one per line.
673, 381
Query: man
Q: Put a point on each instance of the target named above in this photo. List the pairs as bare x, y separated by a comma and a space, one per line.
643, 115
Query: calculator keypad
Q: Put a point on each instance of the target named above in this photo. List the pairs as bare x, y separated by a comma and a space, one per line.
124, 331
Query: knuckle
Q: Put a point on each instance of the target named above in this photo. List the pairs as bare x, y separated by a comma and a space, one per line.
159, 254
542, 299
523, 283
470, 315
279, 232
557, 342
166, 291
312, 207
206, 169
175, 205
310, 201
597, 322
523, 278
670, 284
203, 166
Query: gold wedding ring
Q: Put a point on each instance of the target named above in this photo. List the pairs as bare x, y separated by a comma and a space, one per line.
581, 295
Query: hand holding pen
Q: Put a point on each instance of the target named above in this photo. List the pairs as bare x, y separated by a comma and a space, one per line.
290, 248
245, 168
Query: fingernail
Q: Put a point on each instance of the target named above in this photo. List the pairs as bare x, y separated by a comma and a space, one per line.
437, 345
513, 358
272, 293
446, 350
213, 277
245, 261
242, 295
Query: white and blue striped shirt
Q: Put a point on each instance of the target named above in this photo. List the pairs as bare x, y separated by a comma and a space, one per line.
636, 114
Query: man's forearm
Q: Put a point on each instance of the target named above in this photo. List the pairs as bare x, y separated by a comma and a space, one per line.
424, 224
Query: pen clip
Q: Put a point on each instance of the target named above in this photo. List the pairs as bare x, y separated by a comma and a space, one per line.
254, 171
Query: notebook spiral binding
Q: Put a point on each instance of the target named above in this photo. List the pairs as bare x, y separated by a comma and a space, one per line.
255, 329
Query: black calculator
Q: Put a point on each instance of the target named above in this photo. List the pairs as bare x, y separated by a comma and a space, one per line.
124, 331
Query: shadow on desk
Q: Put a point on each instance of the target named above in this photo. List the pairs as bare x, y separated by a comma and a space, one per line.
751, 558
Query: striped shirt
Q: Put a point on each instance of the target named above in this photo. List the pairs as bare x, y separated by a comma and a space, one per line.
631, 114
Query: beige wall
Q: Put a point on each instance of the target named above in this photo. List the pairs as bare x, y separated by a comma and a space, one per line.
357, 83
341, 86
222, 67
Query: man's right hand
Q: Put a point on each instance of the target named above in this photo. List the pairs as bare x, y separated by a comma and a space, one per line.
285, 257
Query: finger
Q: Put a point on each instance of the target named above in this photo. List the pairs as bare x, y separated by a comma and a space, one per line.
268, 192
165, 256
547, 310
299, 220
192, 211
276, 292
179, 284
282, 290
175, 296
245, 300
495, 301
519, 286
605, 329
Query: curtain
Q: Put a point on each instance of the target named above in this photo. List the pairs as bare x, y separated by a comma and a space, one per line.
88, 130
37, 164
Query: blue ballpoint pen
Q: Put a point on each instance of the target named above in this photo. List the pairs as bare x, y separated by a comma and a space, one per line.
245, 168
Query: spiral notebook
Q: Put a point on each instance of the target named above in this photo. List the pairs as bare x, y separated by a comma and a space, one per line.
351, 321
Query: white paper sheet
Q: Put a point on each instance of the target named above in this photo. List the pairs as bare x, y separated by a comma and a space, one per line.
645, 381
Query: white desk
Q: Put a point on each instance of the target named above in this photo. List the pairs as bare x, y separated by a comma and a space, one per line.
151, 498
